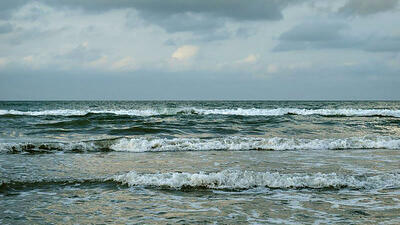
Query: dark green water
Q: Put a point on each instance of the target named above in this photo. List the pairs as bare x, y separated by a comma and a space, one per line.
201, 162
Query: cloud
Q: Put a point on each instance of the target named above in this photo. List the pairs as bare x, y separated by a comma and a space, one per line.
173, 15
3, 61
7, 7
184, 22
367, 7
235, 9
28, 59
185, 52
272, 68
313, 32
81, 53
126, 63
249, 59
99, 62
32, 62
316, 35
334, 35
383, 44
205, 16
6, 28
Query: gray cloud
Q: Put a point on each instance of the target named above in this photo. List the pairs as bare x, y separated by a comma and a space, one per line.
201, 17
6, 28
180, 22
314, 32
236, 9
178, 15
6, 7
315, 36
367, 7
81, 53
19, 36
333, 36
385, 44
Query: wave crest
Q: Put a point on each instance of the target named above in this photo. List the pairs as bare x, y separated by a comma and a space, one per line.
197, 111
252, 143
223, 180
235, 143
236, 179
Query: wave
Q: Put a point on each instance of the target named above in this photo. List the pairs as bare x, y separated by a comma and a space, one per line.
52, 147
225, 180
234, 143
196, 111
236, 179
251, 143
305, 112
72, 112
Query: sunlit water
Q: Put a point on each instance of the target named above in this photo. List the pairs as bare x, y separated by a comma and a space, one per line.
199, 162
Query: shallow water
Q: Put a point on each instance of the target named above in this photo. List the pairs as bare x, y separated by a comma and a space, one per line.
199, 162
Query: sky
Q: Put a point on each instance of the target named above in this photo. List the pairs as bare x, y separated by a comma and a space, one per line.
200, 50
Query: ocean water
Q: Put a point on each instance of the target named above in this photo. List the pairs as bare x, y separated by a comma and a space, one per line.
199, 162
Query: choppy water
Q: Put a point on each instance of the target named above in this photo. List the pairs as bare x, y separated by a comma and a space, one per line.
199, 162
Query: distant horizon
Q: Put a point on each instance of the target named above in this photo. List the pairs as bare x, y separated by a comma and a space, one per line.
200, 100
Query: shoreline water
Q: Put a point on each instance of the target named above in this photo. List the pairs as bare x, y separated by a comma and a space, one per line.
191, 167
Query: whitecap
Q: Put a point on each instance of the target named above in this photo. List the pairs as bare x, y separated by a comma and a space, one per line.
237, 111
237, 143
237, 179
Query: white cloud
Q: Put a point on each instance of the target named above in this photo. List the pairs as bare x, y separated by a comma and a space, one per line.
99, 62
3, 61
272, 68
85, 44
28, 59
126, 63
249, 59
185, 52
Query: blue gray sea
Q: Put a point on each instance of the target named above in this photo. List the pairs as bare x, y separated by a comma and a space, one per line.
200, 162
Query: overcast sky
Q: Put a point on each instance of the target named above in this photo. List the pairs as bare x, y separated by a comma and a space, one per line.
198, 49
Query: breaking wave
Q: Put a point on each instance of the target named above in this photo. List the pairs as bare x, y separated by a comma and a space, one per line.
234, 143
252, 143
223, 180
51, 147
236, 179
237, 111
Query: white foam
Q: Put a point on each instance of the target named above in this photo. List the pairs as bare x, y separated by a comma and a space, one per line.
61, 112
237, 111
251, 143
234, 143
71, 112
236, 179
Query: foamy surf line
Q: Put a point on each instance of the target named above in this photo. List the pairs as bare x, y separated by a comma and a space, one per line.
234, 143
197, 111
252, 143
236, 179
222, 180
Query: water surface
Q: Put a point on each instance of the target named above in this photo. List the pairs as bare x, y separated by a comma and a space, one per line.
174, 162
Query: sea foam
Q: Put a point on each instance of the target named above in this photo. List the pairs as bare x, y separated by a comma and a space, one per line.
233, 143
236, 143
196, 111
237, 179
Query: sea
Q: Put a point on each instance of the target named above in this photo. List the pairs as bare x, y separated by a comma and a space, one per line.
199, 162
